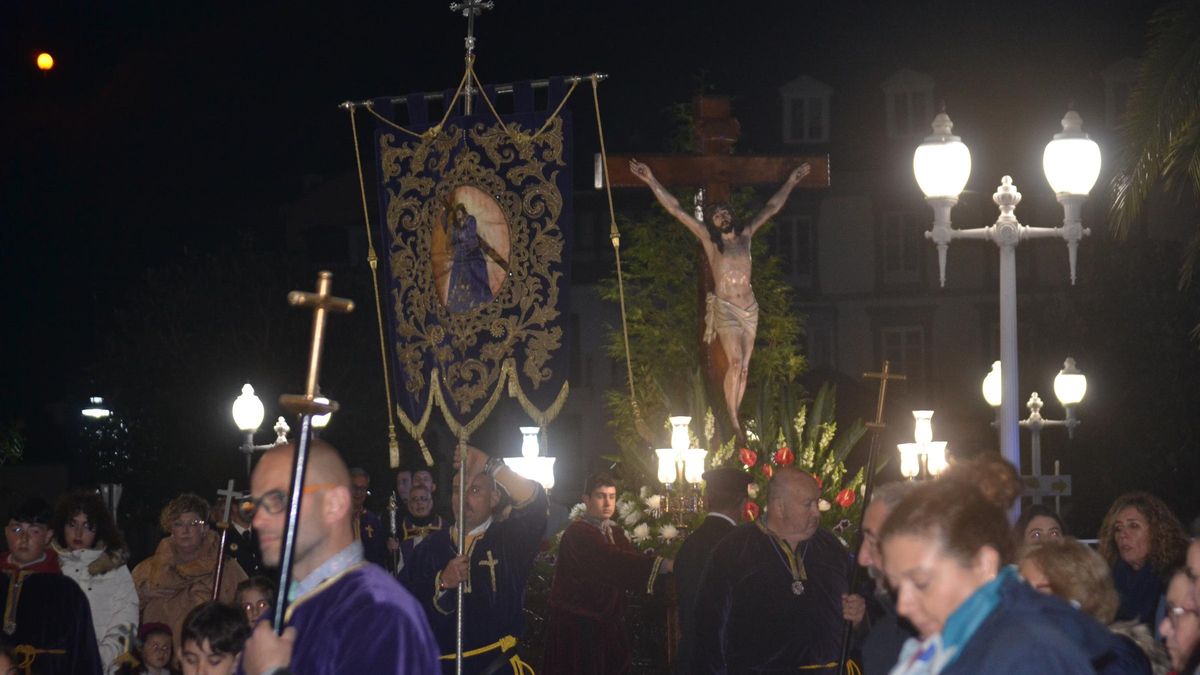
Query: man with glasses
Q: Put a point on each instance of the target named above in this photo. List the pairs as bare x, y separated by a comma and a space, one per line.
418, 523
344, 615
884, 632
45, 613
492, 569
368, 528
179, 576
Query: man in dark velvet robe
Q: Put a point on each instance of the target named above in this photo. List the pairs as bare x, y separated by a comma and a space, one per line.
596, 564
368, 528
771, 597
46, 615
346, 616
241, 544
418, 523
725, 495
493, 572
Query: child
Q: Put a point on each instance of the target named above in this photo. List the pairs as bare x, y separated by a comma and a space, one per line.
212, 639
255, 597
153, 656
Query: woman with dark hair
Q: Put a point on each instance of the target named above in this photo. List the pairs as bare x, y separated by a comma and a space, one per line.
1141, 540
92, 552
1074, 572
1038, 524
946, 551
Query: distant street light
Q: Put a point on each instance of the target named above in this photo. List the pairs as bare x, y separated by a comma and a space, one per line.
45, 61
248, 414
96, 409
942, 165
1070, 386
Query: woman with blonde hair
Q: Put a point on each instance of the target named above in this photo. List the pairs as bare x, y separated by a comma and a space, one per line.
1070, 570
1142, 541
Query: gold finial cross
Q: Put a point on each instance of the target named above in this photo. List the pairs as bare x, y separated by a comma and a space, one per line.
320, 302
883, 376
490, 563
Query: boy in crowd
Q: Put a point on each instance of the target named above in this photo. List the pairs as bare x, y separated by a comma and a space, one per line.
212, 639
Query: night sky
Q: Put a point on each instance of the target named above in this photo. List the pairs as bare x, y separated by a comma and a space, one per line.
168, 127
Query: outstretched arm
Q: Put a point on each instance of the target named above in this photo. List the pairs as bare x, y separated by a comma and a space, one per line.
668, 200
779, 199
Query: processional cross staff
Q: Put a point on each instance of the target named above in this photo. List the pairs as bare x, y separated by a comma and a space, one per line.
306, 406
876, 429
223, 526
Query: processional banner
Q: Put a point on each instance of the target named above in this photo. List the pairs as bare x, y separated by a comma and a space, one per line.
476, 215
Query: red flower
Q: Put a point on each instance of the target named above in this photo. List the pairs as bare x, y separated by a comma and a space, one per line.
784, 456
748, 457
820, 483
845, 498
768, 471
750, 511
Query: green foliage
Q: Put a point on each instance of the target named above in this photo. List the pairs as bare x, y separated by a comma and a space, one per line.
12, 441
1161, 126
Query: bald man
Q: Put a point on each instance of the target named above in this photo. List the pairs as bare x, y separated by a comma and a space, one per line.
771, 597
493, 568
346, 616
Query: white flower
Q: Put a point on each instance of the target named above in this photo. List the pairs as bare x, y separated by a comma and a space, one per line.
654, 502
624, 507
641, 532
643, 492
668, 532
633, 517
751, 436
578, 510
823, 505
752, 490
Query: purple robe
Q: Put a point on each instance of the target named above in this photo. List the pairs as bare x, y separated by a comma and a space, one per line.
469, 284
361, 622
50, 613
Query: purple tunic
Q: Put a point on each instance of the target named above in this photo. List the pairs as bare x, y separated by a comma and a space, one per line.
361, 622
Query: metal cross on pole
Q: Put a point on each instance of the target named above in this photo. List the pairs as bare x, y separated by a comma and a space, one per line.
876, 427
321, 303
470, 9
223, 526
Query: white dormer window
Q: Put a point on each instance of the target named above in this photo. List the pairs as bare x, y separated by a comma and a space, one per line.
805, 110
1119, 79
909, 101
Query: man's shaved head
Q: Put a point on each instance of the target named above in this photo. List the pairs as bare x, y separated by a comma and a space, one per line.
788, 481
793, 504
325, 512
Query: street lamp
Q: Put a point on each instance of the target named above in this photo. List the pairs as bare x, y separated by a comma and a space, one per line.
1070, 386
530, 465
96, 409
942, 165
248, 413
925, 457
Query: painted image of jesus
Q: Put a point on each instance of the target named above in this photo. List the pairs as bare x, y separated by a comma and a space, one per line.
470, 249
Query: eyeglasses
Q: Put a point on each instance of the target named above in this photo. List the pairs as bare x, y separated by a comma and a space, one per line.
1175, 614
251, 607
188, 524
33, 530
276, 501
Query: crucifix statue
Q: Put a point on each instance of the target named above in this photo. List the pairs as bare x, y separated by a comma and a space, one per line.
731, 312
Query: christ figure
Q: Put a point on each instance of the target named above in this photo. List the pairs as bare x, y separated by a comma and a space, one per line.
731, 312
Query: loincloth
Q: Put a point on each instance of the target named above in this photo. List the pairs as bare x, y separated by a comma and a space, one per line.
722, 317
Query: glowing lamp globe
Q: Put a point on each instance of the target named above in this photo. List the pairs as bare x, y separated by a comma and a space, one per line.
935, 461
1070, 385
529, 441
666, 465
45, 61
942, 163
248, 411
910, 459
680, 441
923, 431
991, 386
96, 409
1071, 160
321, 421
693, 464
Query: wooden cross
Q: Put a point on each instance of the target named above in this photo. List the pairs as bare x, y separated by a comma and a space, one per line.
715, 170
229, 494
490, 563
223, 526
883, 376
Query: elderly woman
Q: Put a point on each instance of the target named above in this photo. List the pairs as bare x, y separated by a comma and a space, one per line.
179, 575
946, 550
1074, 572
1038, 524
1141, 540
92, 552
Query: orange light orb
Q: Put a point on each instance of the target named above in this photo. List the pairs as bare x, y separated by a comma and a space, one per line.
45, 61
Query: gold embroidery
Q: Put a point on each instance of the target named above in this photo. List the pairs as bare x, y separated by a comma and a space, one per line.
490, 563
518, 172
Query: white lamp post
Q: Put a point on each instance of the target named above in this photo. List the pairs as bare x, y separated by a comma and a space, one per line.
942, 165
248, 413
531, 464
1070, 386
925, 453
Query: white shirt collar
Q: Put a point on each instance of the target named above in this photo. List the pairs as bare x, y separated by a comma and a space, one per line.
722, 515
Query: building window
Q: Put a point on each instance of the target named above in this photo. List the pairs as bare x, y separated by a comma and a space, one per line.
805, 110
904, 347
902, 244
792, 242
909, 101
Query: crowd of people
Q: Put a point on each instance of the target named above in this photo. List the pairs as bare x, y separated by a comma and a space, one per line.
951, 586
